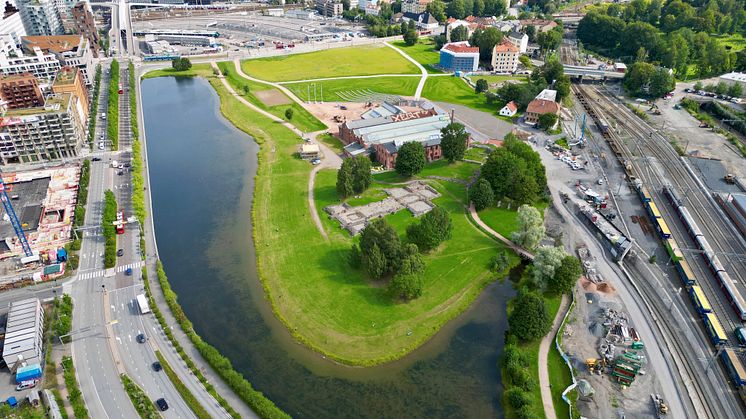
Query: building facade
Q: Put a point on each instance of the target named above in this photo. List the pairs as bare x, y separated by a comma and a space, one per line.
70, 80
386, 153
13, 60
43, 133
12, 24
329, 8
415, 6
505, 57
539, 107
424, 21
85, 25
70, 50
520, 40
20, 91
40, 17
459, 56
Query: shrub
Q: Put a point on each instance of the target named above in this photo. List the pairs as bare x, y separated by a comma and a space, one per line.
112, 120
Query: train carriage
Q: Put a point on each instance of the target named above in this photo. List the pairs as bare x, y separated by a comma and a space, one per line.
688, 221
663, 229
734, 365
644, 194
686, 273
701, 304
673, 249
715, 330
735, 297
673, 196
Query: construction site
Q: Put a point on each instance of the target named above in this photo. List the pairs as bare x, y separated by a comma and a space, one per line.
43, 205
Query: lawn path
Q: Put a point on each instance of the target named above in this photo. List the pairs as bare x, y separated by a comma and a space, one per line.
521, 251
330, 160
420, 86
546, 344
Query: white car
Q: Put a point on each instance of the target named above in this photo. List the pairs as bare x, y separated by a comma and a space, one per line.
100, 146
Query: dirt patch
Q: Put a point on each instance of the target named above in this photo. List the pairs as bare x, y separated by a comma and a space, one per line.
272, 97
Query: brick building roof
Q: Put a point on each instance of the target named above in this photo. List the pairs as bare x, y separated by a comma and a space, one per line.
461, 47
542, 106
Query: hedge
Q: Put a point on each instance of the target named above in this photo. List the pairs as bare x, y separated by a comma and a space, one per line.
85, 178
144, 406
73, 391
112, 124
107, 220
94, 107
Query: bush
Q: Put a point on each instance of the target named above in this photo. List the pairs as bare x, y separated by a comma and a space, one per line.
289, 113
73, 391
517, 398
112, 120
434, 228
407, 286
142, 403
110, 237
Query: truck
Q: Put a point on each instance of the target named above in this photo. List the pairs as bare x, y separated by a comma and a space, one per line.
142, 304
660, 407
28, 373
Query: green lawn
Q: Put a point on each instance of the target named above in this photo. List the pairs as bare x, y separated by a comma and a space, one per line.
301, 117
203, 70
455, 90
336, 62
402, 86
560, 378
503, 220
457, 170
494, 79
423, 52
332, 142
736, 41
476, 153
325, 303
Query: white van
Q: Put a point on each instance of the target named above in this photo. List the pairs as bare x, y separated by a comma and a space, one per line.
103, 115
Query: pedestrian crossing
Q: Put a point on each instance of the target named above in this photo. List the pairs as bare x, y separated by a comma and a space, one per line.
97, 273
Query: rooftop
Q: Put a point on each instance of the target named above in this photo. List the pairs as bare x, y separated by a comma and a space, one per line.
542, 106
66, 75
55, 103
57, 44
506, 46
547, 94
734, 77
461, 47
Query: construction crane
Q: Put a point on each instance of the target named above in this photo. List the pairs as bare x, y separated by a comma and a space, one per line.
14, 219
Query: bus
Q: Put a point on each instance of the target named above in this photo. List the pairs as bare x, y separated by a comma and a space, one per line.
142, 304
120, 222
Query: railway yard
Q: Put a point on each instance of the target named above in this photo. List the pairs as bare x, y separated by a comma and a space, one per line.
688, 264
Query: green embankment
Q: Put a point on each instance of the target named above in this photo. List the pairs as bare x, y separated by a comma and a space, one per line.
334, 62
189, 399
423, 52
248, 89
143, 405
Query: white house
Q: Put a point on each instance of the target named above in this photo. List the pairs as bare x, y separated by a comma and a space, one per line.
509, 109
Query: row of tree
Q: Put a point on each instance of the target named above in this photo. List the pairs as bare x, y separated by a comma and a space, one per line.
460, 9
722, 88
354, 176
642, 41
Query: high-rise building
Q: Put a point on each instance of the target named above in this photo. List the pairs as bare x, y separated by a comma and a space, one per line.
70, 80
40, 17
65, 12
20, 91
13, 61
12, 24
84, 24
43, 133
70, 50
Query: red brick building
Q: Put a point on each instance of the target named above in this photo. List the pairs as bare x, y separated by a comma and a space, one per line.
21, 91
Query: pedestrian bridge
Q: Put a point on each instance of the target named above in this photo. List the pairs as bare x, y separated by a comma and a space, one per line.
581, 72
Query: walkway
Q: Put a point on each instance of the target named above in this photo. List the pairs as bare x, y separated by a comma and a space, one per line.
330, 160
521, 251
544, 347
420, 86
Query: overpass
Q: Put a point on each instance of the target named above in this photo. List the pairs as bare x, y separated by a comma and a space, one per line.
582, 72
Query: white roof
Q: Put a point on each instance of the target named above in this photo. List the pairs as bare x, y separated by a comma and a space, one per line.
547, 94
310, 148
734, 77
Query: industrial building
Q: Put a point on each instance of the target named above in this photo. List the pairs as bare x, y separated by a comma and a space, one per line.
43, 133
70, 50
24, 333
735, 78
459, 56
20, 91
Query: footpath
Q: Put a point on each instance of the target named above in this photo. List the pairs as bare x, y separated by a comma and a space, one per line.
544, 347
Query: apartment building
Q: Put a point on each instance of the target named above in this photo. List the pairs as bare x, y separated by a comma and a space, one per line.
40, 17
415, 6
20, 91
13, 60
505, 57
70, 50
329, 8
43, 133
70, 80
12, 24
459, 56
84, 24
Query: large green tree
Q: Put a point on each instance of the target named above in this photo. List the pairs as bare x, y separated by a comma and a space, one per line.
546, 262
361, 175
410, 159
438, 10
434, 228
565, 275
530, 229
481, 194
547, 121
406, 286
529, 319
453, 141
459, 33
486, 39
380, 249
345, 180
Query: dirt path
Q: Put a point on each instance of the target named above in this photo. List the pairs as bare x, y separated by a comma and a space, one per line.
544, 347
521, 251
330, 160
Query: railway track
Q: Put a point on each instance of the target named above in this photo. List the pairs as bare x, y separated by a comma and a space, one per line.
706, 397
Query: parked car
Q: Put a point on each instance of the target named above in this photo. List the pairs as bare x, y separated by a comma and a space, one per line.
120, 252
141, 338
26, 385
157, 366
96, 159
162, 404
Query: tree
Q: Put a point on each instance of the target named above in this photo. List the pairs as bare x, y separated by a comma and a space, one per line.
456, 9
481, 194
289, 113
434, 228
547, 121
546, 261
562, 86
530, 229
517, 398
410, 159
565, 275
181, 64
246, 89
410, 37
481, 86
459, 34
345, 179
380, 249
500, 262
549, 40
453, 141
438, 10
531, 32
735, 90
411, 261
406, 286
698, 85
529, 319
721, 88
361, 176
486, 39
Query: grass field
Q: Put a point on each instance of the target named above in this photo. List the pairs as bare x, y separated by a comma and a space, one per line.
736, 41
493, 79
337, 62
402, 86
477, 154
326, 304
455, 90
203, 70
423, 52
457, 170
301, 117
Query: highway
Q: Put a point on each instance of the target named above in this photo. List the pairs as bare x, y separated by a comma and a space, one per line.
655, 162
